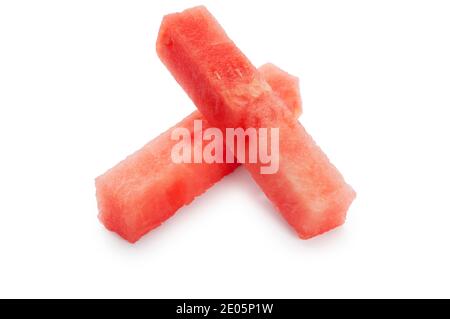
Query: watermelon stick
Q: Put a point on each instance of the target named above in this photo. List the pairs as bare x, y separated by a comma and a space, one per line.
230, 93
147, 188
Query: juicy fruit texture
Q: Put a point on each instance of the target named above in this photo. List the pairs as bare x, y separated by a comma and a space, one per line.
289, 91
147, 188
228, 90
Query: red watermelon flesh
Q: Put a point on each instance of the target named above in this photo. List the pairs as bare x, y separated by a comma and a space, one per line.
289, 91
147, 188
228, 90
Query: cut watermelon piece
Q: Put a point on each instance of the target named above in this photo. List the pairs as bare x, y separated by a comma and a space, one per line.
147, 188
289, 91
228, 90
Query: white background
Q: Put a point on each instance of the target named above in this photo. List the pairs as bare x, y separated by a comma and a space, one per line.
81, 87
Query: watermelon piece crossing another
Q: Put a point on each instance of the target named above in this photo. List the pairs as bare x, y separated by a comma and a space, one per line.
229, 91
147, 188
